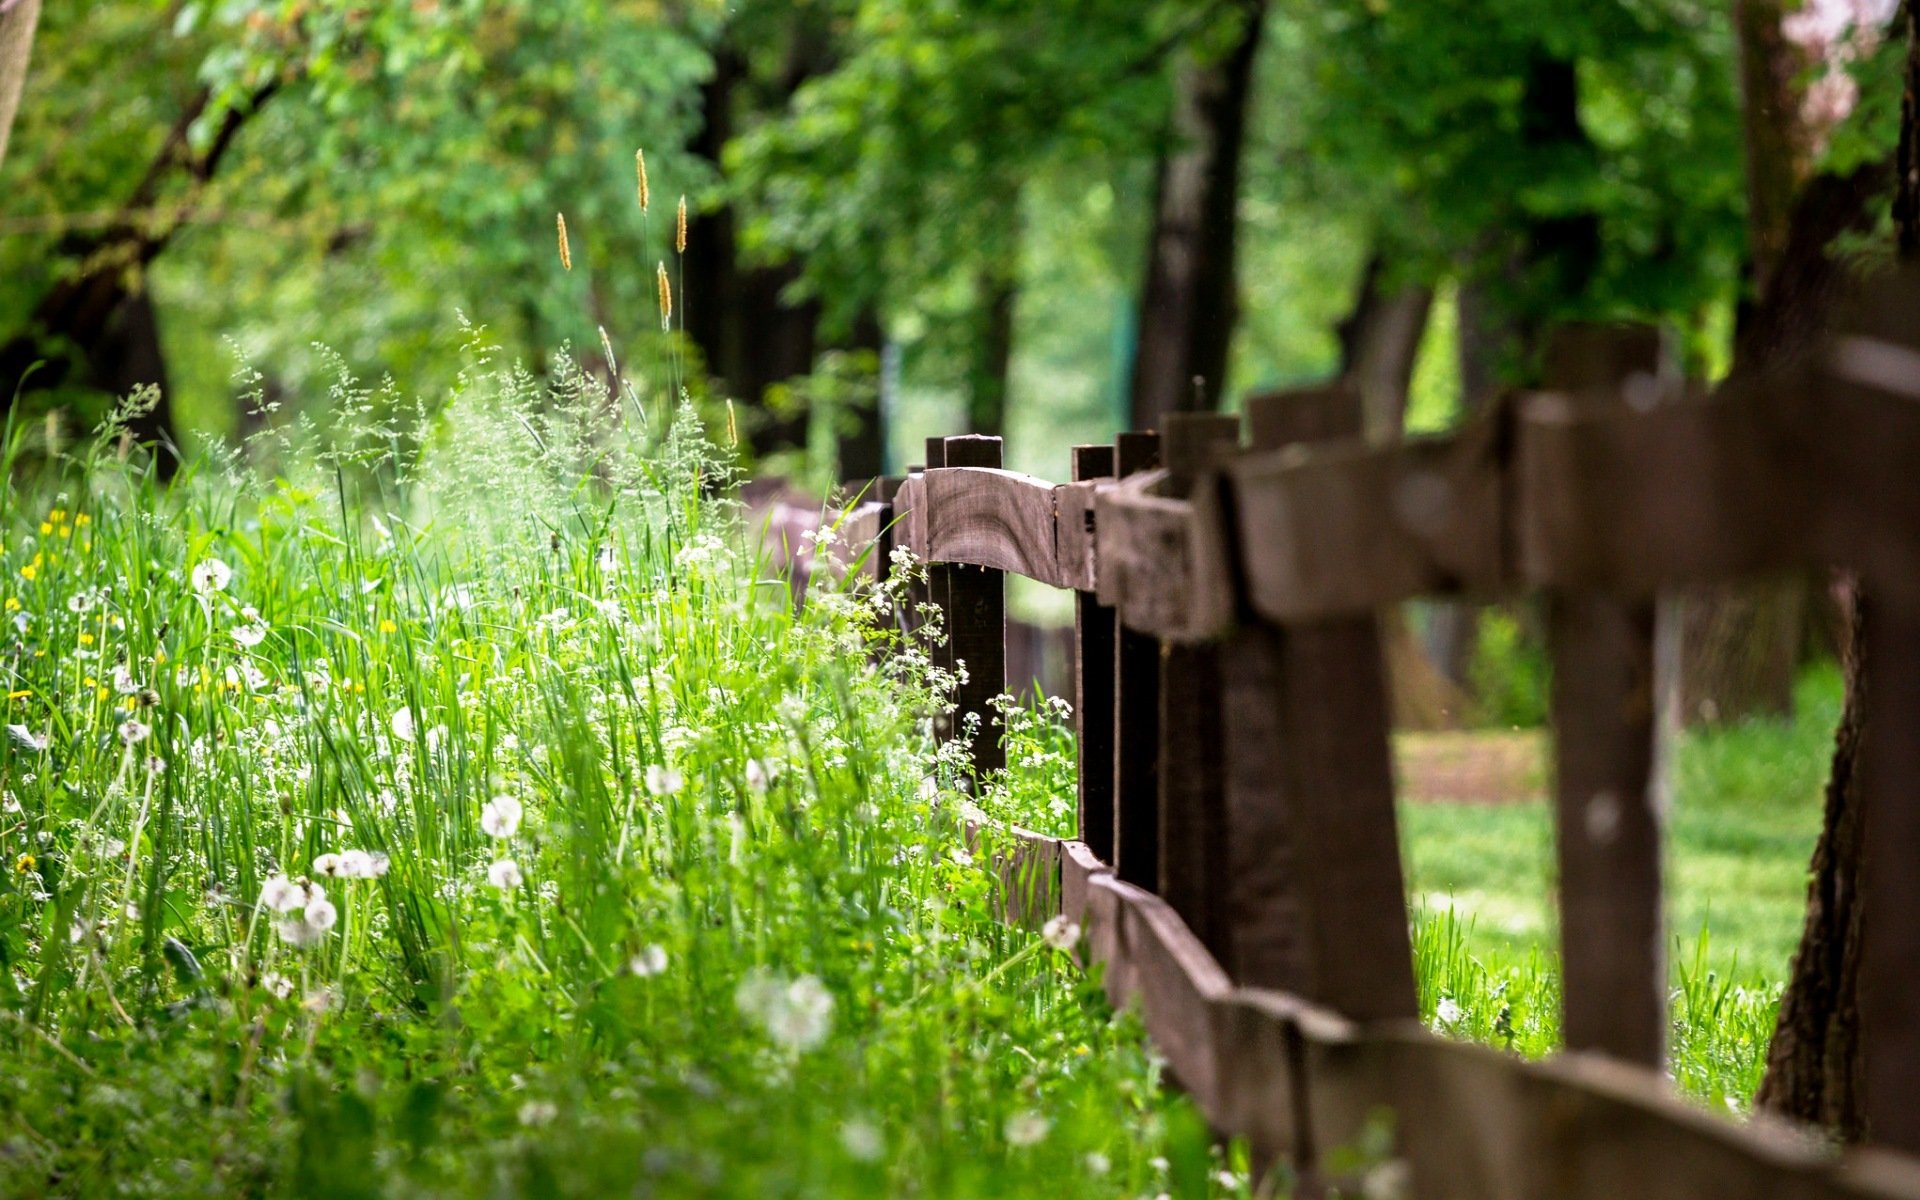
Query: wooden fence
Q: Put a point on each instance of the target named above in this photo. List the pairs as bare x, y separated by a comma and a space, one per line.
1237, 867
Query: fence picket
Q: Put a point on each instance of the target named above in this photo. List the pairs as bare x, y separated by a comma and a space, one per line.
1093, 713
1136, 713
977, 635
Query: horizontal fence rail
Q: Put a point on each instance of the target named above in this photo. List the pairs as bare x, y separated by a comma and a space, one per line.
1237, 871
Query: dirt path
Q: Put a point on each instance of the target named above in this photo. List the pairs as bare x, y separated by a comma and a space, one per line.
1478, 767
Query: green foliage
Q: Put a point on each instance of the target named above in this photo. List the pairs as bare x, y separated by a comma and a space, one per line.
1509, 671
462, 809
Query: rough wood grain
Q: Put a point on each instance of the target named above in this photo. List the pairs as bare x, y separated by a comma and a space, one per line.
1073, 530
977, 605
1161, 562
1136, 712
993, 518
1176, 985
1095, 632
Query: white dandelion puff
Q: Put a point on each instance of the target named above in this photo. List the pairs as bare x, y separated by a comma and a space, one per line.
649, 962
505, 875
500, 817
662, 781
210, 576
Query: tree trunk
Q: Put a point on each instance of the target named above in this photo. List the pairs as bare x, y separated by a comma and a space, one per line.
101, 318
991, 358
749, 336
1484, 343
1378, 343
1732, 650
1187, 306
1814, 1060
17, 21
862, 436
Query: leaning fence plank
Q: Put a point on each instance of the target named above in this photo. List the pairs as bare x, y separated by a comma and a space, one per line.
1318, 901
1094, 663
1193, 853
938, 586
977, 604
1136, 712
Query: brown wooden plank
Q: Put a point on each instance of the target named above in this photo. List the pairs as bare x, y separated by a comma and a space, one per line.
1263, 1084
1890, 877
1176, 985
1316, 898
1073, 507
1136, 712
1078, 866
1693, 490
993, 518
1193, 851
1094, 665
885, 490
1608, 826
977, 606
1607, 820
1348, 527
1162, 562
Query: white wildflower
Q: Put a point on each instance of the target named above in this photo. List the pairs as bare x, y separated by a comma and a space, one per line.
862, 1140
505, 875
1061, 933
757, 776
280, 894
1026, 1128
211, 576
402, 723
662, 781
251, 631
805, 1016
26, 738
1098, 1163
649, 962
1447, 1013
538, 1112
500, 817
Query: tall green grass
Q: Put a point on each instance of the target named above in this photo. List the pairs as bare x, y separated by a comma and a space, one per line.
453, 805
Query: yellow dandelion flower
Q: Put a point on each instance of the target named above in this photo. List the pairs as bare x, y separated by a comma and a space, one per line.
86, 639
387, 625
20, 694
24, 863
82, 519
46, 527
13, 604
29, 571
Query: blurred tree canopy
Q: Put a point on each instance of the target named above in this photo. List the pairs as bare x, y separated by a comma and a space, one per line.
975, 187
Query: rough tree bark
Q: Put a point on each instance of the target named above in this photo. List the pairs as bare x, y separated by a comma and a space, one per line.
17, 21
1187, 307
100, 319
1815, 1065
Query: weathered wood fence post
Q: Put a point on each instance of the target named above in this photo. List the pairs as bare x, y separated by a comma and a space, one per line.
1136, 716
977, 629
1094, 628
1607, 818
1192, 833
1318, 899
